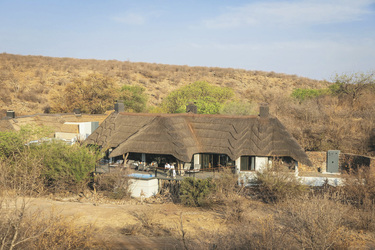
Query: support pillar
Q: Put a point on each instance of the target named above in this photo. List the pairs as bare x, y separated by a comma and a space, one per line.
237, 165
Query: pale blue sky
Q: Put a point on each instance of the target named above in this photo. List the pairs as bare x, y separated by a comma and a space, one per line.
316, 39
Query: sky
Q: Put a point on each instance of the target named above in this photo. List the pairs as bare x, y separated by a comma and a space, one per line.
310, 38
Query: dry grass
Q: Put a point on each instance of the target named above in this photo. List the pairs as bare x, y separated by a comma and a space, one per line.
359, 192
23, 226
322, 123
29, 79
21, 176
314, 222
146, 225
311, 220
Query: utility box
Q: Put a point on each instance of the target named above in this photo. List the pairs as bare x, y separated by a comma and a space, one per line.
333, 161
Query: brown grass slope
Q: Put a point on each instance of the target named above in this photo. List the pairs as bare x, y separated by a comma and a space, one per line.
344, 122
28, 81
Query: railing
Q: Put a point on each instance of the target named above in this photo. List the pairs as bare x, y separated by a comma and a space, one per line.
163, 172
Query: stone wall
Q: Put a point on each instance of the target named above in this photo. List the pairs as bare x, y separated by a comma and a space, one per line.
319, 161
353, 162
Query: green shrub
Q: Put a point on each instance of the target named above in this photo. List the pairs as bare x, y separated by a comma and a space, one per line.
64, 164
349, 85
207, 97
304, 94
194, 192
10, 143
134, 98
15, 142
53, 162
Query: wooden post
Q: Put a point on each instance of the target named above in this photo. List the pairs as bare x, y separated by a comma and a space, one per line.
125, 157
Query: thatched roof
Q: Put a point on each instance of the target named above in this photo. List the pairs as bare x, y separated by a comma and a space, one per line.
183, 135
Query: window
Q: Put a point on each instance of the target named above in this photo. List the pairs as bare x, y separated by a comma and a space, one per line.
215, 160
247, 163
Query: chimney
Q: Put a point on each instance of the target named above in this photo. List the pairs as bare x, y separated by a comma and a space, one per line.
264, 110
119, 106
191, 108
77, 111
11, 114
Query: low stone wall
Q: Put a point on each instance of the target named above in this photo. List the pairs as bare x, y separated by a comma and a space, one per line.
352, 161
318, 159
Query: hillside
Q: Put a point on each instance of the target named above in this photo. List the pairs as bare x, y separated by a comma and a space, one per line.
341, 120
28, 81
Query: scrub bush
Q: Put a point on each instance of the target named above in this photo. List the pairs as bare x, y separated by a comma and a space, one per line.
64, 165
359, 191
10, 143
134, 98
274, 185
58, 165
93, 94
303, 94
208, 98
194, 192
314, 222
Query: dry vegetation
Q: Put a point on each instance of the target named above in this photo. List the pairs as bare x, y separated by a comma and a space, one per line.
27, 81
343, 121
227, 216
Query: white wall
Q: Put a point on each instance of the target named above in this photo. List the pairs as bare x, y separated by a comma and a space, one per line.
196, 159
261, 163
320, 181
238, 165
149, 187
84, 130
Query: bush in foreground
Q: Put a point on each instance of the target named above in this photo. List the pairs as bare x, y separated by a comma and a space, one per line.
194, 192
64, 165
274, 185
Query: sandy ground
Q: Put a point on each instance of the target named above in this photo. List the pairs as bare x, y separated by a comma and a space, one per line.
111, 219
118, 222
